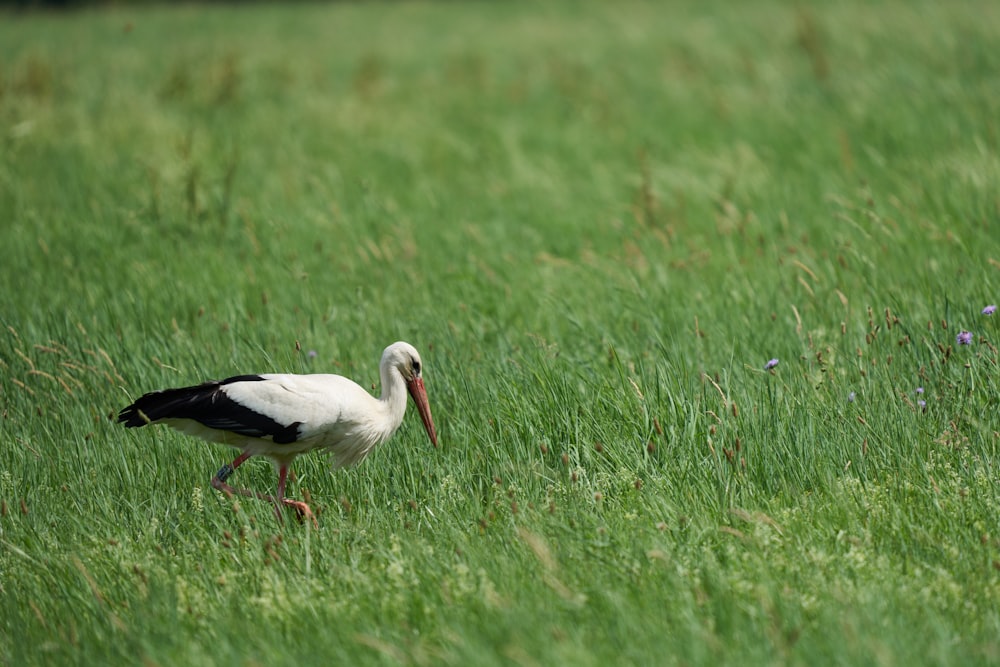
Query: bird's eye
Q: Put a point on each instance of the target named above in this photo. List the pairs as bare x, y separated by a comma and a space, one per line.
416, 368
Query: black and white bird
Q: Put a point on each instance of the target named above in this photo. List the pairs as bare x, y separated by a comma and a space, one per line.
281, 416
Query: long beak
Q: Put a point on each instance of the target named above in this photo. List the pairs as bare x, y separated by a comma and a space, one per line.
419, 394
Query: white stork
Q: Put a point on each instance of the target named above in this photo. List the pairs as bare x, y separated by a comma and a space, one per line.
281, 416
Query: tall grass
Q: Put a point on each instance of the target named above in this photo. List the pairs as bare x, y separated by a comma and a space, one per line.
597, 223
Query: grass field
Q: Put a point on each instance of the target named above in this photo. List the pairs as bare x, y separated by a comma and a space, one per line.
597, 222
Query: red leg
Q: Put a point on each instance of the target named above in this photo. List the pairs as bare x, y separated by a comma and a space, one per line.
282, 476
300, 507
219, 482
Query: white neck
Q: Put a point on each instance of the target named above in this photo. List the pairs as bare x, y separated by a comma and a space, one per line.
393, 397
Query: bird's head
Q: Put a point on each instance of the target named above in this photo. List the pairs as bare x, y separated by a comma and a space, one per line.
405, 359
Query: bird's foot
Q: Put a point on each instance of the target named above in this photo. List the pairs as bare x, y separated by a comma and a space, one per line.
302, 511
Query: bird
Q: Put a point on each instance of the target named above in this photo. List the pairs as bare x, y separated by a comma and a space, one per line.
280, 416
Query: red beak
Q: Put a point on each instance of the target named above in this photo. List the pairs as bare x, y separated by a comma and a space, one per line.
419, 394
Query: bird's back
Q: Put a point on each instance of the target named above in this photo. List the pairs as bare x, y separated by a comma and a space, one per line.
336, 414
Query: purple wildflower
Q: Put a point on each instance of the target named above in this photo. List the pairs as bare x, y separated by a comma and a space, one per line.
990, 309
770, 364
850, 397
964, 338
920, 390
311, 354
922, 404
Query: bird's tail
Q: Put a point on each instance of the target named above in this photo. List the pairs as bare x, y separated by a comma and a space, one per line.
166, 404
209, 405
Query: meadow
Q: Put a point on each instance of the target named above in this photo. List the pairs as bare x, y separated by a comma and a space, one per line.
599, 223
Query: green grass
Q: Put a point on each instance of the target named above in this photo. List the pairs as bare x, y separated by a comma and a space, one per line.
596, 223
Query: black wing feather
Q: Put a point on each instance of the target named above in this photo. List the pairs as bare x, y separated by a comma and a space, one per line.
208, 404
